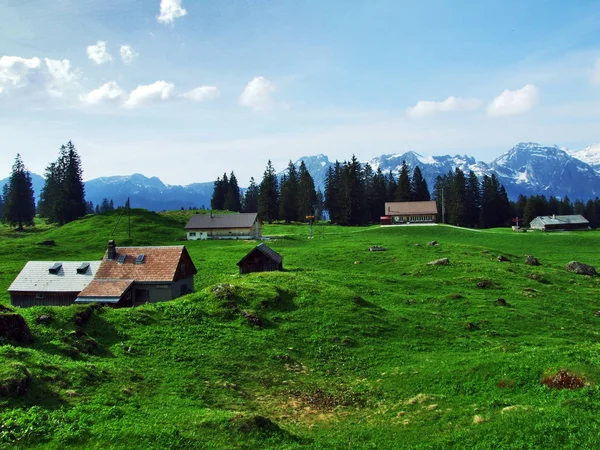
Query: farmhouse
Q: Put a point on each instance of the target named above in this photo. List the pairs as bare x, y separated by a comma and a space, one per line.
135, 275
409, 212
261, 259
224, 226
559, 223
51, 283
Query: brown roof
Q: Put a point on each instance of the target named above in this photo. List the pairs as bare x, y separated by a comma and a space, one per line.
267, 251
159, 264
211, 222
106, 288
399, 208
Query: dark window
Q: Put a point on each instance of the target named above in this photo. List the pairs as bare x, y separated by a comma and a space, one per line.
55, 268
140, 259
83, 268
122, 259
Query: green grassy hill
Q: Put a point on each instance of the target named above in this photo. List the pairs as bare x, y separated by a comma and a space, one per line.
353, 349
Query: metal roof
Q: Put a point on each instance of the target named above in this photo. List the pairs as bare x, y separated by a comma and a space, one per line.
561, 220
265, 250
400, 208
208, 222
36, 277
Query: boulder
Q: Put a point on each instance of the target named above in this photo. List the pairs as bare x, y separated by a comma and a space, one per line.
49, 243
432, 243
253, 319
580, 268
502, 258
501, 302
44, 319
531, 260
14, 327
377, 248
439, 262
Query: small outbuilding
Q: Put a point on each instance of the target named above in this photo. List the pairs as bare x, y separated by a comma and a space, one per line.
224, 226
261, 259
409, 212
559, 223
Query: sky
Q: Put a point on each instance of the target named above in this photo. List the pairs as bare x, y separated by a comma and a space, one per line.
189, 89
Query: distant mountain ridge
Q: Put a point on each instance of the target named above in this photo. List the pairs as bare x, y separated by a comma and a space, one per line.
527, 168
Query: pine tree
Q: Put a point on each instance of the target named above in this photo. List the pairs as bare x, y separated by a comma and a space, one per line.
268, 196
391, 187
403, 193
472, 199
89, 207
232, 197
1, 205
379, 195
19, 201
62, 198
419, 188
307, 196
354, 211
220, 189
288, 196
333, 192
251, 197
458, 214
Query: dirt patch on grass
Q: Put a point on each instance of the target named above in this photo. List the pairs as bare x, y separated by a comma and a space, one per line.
419, 399
564, 380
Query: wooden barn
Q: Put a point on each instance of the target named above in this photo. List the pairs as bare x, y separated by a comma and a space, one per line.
560, 223
261, 259
51, 283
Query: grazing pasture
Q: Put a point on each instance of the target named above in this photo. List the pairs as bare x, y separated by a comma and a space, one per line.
346, 348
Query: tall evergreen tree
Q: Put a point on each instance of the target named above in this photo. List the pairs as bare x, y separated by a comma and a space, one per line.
251, 197
62, 198
403, 193
220, 189
288, 195
19, 202
1, 206
307, 196
391, 187
233, 200
333, 192
472, 199
419, 188
379, 195
458, 214
354, 211
268, 196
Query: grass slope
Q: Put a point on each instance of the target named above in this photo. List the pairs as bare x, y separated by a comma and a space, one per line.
357, 349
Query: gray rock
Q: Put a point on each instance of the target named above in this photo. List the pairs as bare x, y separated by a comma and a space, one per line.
531, 260
580, 268
503, 259
439, 262
432, 243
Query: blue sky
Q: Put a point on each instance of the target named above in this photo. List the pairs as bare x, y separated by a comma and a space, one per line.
185, 90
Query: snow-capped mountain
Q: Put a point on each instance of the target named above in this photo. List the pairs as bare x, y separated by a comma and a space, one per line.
589, 155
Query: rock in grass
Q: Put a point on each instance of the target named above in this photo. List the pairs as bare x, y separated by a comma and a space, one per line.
580, 268
563, 380
439, 262
253, 319
49, 243
377, 248
434, 243
44, 319
502, 258
14, 327
14, 380
531, 260
501, 302
255, 424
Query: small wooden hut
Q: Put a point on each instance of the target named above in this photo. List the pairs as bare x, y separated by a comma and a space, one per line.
261, 259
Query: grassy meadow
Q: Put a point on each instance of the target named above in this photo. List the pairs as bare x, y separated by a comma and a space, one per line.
357, 349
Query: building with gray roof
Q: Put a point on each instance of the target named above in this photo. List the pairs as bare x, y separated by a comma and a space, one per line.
224, 226
559, 223
51, 283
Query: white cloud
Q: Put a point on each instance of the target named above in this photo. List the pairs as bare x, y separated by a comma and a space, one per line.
60, 76
451, 104
108, 92
202, 93
514, 102
98, 53
16, 72
258, 94
128, 54
170, 10
596, 73
159, 90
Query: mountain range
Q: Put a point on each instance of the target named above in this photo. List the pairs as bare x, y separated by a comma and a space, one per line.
527, 168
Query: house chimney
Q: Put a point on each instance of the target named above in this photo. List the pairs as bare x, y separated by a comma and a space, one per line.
554, 216
112, 249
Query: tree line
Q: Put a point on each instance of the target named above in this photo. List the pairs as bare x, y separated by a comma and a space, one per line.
62, 198
528, 208
292, 198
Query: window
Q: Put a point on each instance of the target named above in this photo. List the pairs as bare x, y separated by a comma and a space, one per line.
122, 259
140, 259
83, 268
192, 233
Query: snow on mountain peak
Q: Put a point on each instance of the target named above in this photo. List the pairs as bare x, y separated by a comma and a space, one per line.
589, 155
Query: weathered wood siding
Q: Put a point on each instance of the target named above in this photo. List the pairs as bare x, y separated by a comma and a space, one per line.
29, 299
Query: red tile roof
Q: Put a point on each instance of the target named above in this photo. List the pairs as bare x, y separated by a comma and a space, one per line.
106, 288
160, 264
